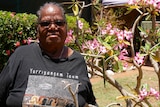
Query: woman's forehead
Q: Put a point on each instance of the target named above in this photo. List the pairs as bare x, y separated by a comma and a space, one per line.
51, 11
52, 8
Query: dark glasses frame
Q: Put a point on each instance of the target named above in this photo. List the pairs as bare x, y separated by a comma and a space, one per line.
56, 22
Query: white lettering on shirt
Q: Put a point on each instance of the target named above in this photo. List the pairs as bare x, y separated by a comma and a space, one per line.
51, 73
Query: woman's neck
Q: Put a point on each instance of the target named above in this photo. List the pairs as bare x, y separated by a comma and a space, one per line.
54, 52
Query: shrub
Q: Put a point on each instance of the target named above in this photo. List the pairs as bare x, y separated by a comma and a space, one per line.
15, 29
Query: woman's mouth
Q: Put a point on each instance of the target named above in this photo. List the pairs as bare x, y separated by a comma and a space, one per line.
53, 35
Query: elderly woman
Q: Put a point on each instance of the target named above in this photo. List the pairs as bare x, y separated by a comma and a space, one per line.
46, 73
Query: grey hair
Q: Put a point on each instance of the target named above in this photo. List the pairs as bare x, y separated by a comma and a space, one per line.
47, 4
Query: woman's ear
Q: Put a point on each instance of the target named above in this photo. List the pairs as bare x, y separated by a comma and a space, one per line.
37, 25
37, 31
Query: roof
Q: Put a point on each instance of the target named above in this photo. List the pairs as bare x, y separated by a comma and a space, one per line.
112, 3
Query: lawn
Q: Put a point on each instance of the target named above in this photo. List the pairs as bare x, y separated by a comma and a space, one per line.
107, 94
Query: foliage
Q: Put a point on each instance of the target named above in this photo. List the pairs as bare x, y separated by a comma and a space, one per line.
150, 37
104, 39
109, 43
15, 29
74, 33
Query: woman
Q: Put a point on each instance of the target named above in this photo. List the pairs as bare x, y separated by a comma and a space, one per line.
46, 73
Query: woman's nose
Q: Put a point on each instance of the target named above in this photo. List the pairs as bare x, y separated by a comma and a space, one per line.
53, 26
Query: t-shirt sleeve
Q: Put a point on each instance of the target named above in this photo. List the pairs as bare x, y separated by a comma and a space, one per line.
5, 82
85, 90
7, 76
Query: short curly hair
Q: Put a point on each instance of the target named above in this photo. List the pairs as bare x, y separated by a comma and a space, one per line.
47, 4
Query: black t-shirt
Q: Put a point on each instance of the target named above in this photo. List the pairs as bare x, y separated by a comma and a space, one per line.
32, 78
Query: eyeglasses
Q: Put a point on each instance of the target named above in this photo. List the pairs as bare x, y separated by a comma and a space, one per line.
56, 22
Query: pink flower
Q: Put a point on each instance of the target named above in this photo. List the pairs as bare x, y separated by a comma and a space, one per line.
94, 44
154, 93
8, 52
80, 24
108, 27
29, 40
24, 41
12, 14
125, 65
120, 36
151, 3
131, 2
139, 59
158, 5
91, 45
69, 38
151, 93
112, 32
122, 54
143, 94
102, 49
20, 33
121, 45
128, 34
104, 31
17, 44
84, 46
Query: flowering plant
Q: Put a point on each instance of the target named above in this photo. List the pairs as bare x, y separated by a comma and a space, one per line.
111, 43
15, 30
105, 41
149, 37
146, 93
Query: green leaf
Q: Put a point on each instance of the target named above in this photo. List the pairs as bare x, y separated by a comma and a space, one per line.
99, 40
75, 9
148, 17
134, 7
108, 38
126, 42
109, 47
118, 66
116, 58
144, 86
143, 54
141, 29
156, 56
104, 43
124, 97
147, 46
97, 7
129, 11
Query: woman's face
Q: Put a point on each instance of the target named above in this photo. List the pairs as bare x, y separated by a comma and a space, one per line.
52, 28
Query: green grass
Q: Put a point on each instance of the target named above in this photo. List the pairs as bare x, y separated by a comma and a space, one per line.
106, 95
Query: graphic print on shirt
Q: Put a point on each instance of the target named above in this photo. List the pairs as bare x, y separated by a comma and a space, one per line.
46, 91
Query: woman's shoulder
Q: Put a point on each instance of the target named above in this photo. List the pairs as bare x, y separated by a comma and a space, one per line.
25, 48
75, 54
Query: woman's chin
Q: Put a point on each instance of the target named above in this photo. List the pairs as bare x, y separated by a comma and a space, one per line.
54, 40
